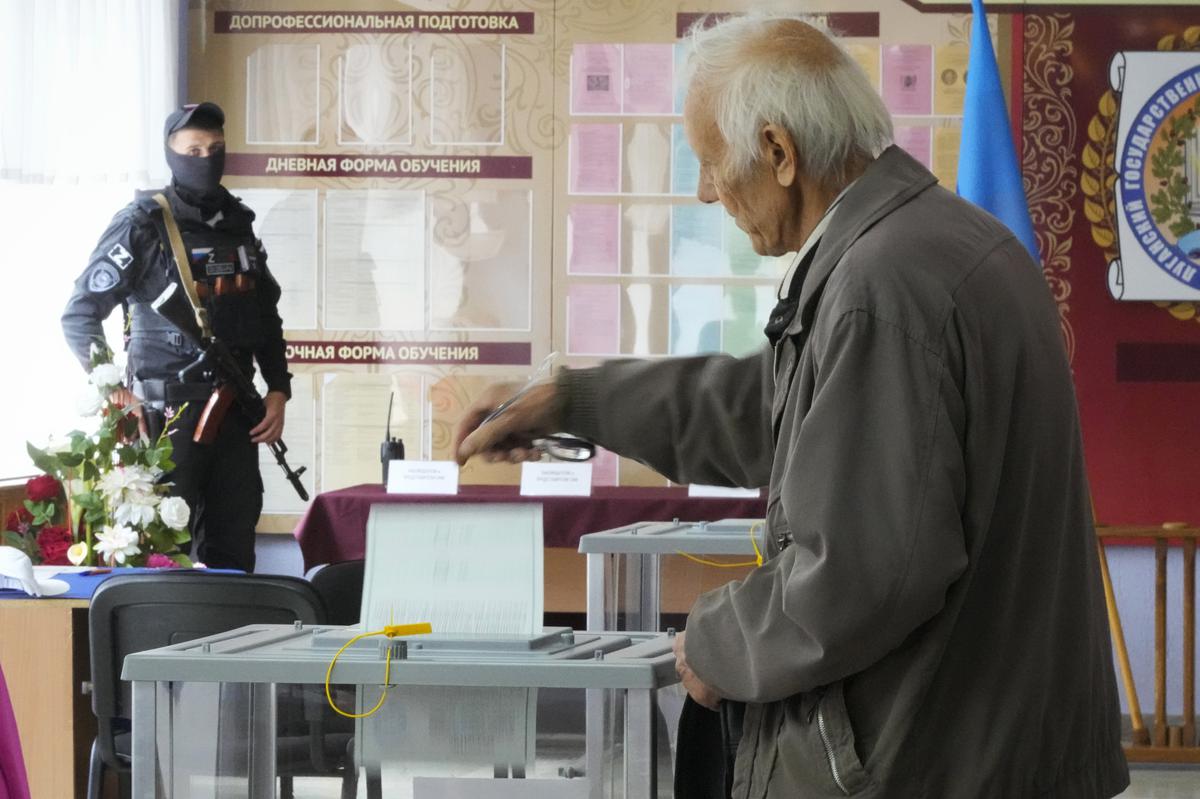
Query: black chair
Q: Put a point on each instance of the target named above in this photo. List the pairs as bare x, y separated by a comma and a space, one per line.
340, 586
132, 613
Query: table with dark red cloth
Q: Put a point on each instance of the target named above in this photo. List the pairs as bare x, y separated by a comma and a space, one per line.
335, 526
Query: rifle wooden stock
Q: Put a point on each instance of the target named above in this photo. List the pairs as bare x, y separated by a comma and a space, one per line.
214, 413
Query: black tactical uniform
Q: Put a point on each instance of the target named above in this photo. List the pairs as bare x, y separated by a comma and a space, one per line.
132, 265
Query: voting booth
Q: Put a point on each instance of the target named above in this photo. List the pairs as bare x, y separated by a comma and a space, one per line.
489, 704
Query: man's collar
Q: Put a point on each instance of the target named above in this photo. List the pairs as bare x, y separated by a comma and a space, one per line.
889, 181
813, 239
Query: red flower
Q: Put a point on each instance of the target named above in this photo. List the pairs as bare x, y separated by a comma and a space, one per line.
18, 521
157, 560
43, 487
54, 541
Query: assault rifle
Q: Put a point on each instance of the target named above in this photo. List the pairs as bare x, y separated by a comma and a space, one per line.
231, 382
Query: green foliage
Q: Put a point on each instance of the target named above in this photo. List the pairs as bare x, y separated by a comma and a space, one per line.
83, 464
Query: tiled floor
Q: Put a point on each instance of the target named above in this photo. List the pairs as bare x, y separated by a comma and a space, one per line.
1163, 783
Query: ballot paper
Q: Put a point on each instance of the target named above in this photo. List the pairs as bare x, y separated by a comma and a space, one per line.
464, 568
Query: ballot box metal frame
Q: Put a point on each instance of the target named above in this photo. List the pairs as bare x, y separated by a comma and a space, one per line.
263, 656
641, 546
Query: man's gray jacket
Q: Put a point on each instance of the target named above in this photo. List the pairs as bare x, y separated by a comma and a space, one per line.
930, 622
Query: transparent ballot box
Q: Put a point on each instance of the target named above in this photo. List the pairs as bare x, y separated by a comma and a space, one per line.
640, 572
561, 714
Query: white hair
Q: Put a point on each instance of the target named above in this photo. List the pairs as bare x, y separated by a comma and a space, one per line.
828, 107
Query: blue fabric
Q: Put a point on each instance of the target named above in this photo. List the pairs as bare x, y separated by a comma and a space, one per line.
988, 172
84, 584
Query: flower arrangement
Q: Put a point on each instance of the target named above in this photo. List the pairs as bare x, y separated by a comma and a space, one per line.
99, 500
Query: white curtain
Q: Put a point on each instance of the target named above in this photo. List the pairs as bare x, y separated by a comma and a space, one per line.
84, 88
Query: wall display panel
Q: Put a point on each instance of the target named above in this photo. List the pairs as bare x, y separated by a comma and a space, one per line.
595, 165
374, 259
867, 56
649, 84
646, 158
950, 79
449, 397
279, 497
400, 164
689, 278
467, 93
593, 319
354, 412
645, 238
283, 94
696, 316
945, 154
286, 221
480, 260
917, 141
375, 84
485, 196
593, 239
697, 241
596, 79
907, 79
644, 330
685, 167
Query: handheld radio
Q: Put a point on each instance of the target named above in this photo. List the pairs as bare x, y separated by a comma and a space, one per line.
392, 449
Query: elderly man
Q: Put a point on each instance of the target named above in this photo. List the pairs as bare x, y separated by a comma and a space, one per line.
929, 622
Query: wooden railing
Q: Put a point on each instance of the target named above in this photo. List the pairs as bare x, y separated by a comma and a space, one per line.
1164, 742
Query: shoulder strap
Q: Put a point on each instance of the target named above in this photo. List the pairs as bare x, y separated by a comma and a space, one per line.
182, 265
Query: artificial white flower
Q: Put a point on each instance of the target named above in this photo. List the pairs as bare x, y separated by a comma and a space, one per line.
89, 402
137, 510
77, 553
174, 512
117, 543
122, 480
105, 376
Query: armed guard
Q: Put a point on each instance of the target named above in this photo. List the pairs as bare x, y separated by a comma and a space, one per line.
131, 266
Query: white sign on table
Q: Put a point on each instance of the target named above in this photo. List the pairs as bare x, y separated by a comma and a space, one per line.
699, 490
422, 477
556, 479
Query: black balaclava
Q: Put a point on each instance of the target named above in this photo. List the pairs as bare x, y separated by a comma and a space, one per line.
199, 177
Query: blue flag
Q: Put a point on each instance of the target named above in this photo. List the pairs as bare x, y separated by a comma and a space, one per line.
988, 172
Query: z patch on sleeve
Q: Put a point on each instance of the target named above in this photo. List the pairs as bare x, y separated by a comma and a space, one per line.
102, 277
120, 256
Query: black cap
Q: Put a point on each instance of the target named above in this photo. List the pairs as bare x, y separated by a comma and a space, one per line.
208, 116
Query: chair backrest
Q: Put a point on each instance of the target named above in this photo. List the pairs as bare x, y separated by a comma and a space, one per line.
132, 613
341, 586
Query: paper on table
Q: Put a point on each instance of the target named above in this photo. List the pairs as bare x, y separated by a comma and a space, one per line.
473, 569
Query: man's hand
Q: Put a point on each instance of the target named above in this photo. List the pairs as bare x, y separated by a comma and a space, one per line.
508, 437
129, 402
269, 430
703, 694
